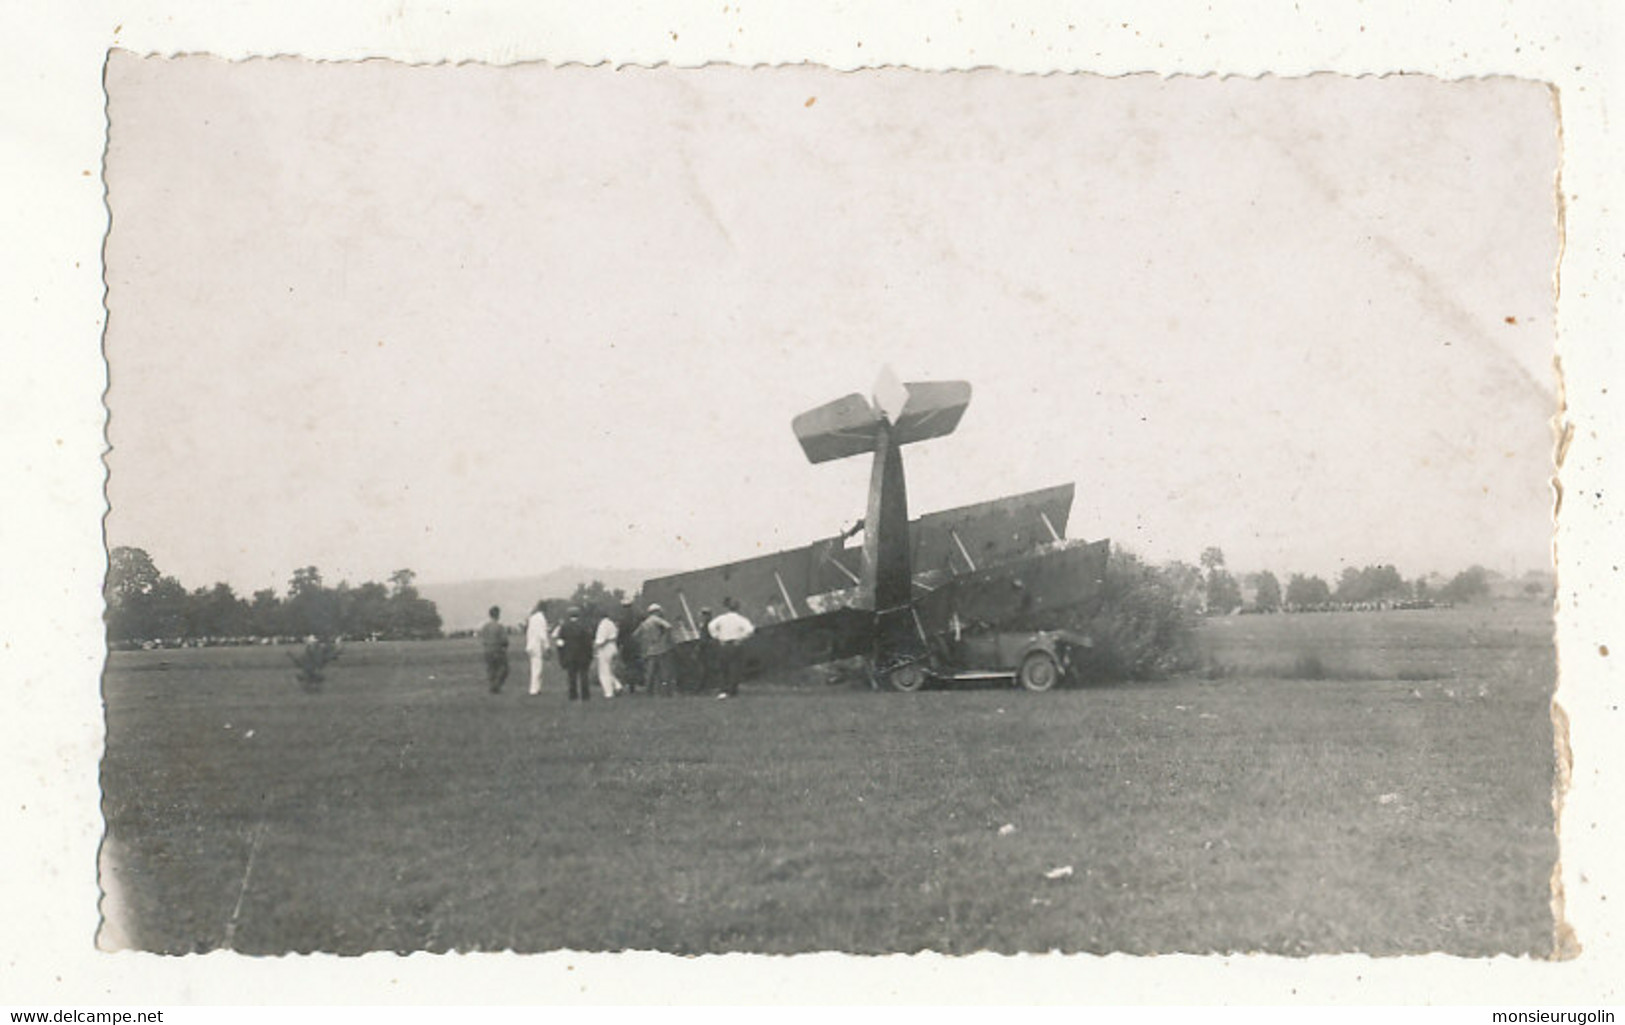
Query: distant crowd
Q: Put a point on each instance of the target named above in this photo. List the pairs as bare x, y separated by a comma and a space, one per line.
1385, 605
621, 651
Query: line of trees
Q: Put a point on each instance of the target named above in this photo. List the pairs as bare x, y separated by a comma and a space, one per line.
1212, 589
596, 599
1145, 626
145, 605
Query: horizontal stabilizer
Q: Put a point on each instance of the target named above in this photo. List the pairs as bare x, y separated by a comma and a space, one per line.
837, 429
849, 425
933, 410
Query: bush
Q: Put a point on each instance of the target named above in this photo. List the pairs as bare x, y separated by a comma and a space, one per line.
1308, 667
1142, 629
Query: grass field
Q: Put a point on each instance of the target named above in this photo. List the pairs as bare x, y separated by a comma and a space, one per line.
1399, 802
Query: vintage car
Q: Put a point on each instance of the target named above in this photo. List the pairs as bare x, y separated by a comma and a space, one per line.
1038, 660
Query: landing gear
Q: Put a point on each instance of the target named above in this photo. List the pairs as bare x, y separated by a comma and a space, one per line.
907, 678
904, 676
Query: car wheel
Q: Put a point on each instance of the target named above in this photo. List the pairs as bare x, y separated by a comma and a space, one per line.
1039, 672
907, 679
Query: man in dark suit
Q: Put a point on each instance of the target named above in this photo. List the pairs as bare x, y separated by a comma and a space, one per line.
631, 659
575, 652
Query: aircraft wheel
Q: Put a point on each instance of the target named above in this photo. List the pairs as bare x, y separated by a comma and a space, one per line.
907, 679
1039, 672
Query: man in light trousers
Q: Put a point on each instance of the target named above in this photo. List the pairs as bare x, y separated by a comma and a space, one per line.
538, 645
604, 647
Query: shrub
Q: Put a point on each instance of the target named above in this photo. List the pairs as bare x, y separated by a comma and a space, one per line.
1142, 629
1308, 667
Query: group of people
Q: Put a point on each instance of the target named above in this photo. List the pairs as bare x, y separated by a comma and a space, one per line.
624, 653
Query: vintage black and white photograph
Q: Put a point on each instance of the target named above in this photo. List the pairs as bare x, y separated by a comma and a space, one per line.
783, 510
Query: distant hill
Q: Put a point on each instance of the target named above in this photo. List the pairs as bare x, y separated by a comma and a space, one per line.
464, 604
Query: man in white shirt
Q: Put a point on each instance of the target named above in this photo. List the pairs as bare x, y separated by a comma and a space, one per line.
604, 646
538, 645
731, 630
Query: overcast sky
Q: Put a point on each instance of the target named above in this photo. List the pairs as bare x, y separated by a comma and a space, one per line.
483, 322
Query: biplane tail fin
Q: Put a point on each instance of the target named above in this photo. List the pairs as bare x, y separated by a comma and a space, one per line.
916, 411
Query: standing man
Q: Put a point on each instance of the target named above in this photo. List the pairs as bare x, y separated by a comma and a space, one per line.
538, 645
706, 653
604, 650
655, 643
731, 630
575, 652
631, 665
494, 643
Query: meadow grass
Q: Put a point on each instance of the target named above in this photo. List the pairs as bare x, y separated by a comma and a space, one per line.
404, 808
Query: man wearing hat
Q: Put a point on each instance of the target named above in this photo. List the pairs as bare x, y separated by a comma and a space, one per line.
575, 652
631, 665
707, 654
655, 643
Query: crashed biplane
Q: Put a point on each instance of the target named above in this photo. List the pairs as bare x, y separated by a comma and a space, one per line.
920, 600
